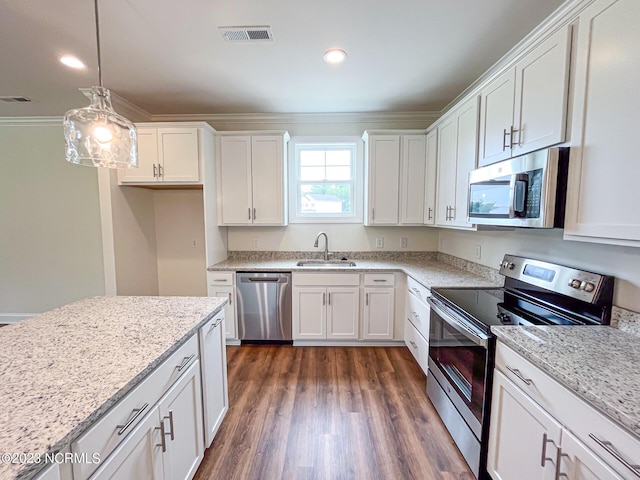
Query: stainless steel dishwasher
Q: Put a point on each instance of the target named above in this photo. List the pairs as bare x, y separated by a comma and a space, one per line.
264, 307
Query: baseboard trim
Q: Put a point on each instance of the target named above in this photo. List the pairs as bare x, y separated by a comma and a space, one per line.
348, 343
14, 317
233, 341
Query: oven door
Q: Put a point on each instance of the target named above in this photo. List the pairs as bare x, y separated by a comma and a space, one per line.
459, 360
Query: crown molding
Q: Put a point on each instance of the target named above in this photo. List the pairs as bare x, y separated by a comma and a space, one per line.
383, 118
30, 121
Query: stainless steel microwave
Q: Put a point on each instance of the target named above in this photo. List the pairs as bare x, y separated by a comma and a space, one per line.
526, 191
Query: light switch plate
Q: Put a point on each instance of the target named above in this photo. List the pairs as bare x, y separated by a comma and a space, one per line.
478, 252
379, 242
403, 242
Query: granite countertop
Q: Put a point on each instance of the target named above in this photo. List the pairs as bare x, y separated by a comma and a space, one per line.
429, 272
61, 370
598, 363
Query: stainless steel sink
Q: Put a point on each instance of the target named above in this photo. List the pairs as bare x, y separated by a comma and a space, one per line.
325, 263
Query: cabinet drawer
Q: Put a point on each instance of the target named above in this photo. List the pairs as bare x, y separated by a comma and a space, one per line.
328, 279
220, 278
379, 279
109, 430
418, 313
419, 290
571, 411
417, 345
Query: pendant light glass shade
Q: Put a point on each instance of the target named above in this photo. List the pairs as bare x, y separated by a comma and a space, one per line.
97, 136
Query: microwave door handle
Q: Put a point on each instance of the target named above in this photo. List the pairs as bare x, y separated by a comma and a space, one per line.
518, 194
477, 338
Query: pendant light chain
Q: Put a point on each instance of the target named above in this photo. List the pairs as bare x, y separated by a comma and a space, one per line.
95, 2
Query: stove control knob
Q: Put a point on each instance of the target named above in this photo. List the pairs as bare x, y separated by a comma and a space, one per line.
575, 283
511, 265
589, 287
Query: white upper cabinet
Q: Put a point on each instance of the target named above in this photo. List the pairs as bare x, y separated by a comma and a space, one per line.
456, 153
395, 165
382, 170
430, 178
525, 108
169, 154
251, 179
602, 192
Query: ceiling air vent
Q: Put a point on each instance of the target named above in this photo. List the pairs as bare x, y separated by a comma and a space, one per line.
15, 99
247, 34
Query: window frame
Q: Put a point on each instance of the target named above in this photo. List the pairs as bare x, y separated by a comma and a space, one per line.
357, 180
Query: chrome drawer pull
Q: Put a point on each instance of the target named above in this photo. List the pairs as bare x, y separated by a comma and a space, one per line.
608, 446
185, 362
220, 280
379, 280
413, 344
170, 417
137, 412
517, 373
163, 442
543, 457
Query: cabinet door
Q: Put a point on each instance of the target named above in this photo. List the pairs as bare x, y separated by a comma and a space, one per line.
430, 178
138, 456
496, 118
309, 313
267, 163
214, 376
602, 194
50, 473
234, 180
578, 462
447, 154
179, 154
181, 413
147, 170
542, 84
379, 312
230, 319
412, 166
383, 170
522, 436
467, 151
343, 312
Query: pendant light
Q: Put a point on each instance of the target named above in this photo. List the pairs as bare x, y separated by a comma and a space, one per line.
96, 135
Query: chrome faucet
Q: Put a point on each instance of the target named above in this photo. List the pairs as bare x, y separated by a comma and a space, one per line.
326, 244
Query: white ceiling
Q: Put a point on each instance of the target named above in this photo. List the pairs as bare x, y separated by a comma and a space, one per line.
169, 57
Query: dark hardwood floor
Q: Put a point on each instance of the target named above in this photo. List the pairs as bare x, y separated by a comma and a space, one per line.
329, 413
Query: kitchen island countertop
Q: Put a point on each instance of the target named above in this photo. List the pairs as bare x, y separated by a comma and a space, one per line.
598, 363
61, 370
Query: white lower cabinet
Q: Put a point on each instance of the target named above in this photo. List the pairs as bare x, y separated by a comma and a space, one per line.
222, 284
213, 355
138, 456
168, 443
181, 423
541, 428
51, 472
325, 312
343, 312
379, 310
522, 435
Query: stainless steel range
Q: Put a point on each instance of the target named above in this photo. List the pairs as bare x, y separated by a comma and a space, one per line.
461, 346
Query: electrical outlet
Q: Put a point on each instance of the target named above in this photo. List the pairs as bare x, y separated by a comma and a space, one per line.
194, 243
403, 242
478, 252
255, 242
379, 242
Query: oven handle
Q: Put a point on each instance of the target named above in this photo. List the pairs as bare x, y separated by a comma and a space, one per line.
475, 336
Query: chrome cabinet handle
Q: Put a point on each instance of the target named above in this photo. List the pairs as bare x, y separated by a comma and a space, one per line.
518, 374
430, 216
451, 214
511, 132
366, 299
254, 213
137, 412
163, 442
329, 298
609, 447
416, 290
185, 362
379, 280
170, 417
543, 457
160, 171
220, 280
504, 139
230, 299
249, 210
373, 214
154, 171
559, 473
413, 344
415, 314
324, 298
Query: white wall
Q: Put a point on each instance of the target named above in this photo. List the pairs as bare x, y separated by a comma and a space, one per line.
179, 230
622, 262
50, 234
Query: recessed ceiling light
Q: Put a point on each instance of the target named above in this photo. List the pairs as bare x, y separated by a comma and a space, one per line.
72, 62
335, 56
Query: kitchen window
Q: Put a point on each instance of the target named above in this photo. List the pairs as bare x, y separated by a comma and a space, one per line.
325, 180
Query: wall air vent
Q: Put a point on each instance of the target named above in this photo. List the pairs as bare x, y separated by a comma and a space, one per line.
246, 34
17, 99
